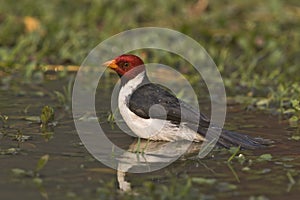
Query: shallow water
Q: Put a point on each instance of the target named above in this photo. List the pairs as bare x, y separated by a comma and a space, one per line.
72, 172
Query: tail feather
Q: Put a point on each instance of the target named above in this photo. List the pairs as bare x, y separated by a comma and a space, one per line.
230, 138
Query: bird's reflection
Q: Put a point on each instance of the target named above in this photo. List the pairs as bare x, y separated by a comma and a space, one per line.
145, 156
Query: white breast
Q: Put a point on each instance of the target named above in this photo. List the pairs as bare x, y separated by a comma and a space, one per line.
154, 129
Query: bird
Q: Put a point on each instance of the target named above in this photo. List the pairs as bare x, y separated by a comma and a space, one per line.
153, 112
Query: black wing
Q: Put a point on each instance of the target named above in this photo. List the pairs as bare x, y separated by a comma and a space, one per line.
175, 110
178, 111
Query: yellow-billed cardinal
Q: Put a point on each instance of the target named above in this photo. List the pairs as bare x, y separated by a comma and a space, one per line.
152, 112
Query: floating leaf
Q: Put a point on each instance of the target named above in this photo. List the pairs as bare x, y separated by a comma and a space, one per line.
264, 157
33, 118
18, 172
38, 181
203, 181
223, 187
42, 162
263, 102
287, 159
295, 137
9, 151
246, 169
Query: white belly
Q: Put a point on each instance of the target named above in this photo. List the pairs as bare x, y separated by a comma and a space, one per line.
157, 129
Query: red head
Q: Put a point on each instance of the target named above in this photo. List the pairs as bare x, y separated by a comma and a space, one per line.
127, 65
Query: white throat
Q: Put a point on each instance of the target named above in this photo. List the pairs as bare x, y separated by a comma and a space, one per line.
127, 89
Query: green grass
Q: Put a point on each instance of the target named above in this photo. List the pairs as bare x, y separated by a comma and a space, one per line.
255, 44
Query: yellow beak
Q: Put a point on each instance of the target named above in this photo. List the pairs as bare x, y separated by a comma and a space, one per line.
111, 64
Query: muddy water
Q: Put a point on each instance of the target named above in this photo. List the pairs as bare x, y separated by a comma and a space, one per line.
71, 172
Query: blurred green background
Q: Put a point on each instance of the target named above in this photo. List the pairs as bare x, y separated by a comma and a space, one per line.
255, 44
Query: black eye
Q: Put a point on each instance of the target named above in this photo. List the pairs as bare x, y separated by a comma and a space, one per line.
126, 64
